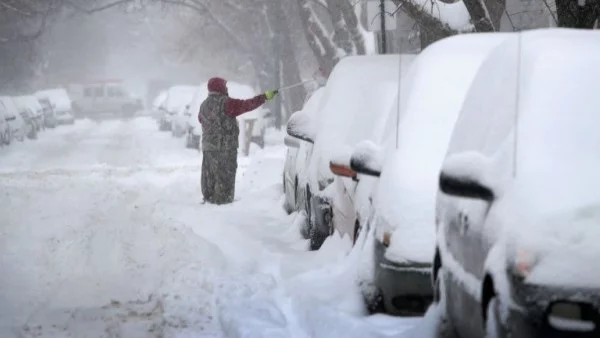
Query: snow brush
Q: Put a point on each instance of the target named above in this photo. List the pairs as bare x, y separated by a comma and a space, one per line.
318, 78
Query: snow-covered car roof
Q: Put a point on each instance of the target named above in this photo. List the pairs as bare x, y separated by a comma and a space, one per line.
57, 96
431, 98
178, 97
28, 101
358, 96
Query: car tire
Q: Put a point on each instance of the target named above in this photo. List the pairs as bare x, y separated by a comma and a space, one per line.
374, 302
444, 327
296, 204
316, 238
492, 325
357, 228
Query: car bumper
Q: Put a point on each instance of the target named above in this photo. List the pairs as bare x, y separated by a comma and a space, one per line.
536, 314
406, 288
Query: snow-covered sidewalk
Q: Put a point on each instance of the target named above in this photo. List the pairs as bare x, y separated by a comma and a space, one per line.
102, 235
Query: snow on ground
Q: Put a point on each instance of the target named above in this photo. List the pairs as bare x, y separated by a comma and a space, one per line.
102, 235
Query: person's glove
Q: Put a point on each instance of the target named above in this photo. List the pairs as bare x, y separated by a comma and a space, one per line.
270, 94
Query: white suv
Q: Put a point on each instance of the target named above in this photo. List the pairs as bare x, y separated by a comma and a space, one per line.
102, 99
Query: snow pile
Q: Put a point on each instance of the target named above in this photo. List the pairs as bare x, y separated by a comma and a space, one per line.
408, 184
58, 97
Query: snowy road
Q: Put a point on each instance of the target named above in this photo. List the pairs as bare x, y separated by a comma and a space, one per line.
102, 235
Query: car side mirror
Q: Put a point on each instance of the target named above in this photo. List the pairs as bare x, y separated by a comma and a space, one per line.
367, 159
340, 165
463, 175
291, 142
300, 127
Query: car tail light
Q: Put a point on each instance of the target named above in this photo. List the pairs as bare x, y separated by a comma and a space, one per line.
387, 238
572, 317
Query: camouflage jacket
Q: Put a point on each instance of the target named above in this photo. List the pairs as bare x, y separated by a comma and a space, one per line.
219, 131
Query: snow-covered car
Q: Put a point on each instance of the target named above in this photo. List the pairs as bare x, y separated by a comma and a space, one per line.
518, 205
49, 115
193, 129
172, 118
357, 97
298, 151
16, 124
157, 109
60, 103
33, 108
402, 204
5, 134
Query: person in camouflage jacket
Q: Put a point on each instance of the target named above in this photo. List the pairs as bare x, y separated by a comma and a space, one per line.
220, 134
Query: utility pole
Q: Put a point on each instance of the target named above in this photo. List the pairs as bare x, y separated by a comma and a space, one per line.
383, 31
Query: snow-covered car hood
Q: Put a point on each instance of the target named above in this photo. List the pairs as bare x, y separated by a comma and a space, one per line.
555, 227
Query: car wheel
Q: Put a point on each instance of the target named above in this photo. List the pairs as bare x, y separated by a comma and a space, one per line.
492, 325
357, 228
444, 327
316, 238
296, 193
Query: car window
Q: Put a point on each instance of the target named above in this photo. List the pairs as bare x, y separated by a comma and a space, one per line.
99, 91
87, 92
488, 111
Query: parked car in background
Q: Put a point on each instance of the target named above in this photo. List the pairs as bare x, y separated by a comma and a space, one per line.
60, 102
16, 124
30, 104
193, 128
5, 132
157, 109
104, 99
176, 99
359, 93
518, 206
298, 152
50, 120
406, 164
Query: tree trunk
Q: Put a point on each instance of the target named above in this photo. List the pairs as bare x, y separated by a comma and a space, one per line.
352, 24
289, 63
341, 36
318, 41
571, 15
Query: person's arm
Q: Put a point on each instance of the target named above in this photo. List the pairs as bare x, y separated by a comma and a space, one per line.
236, 107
